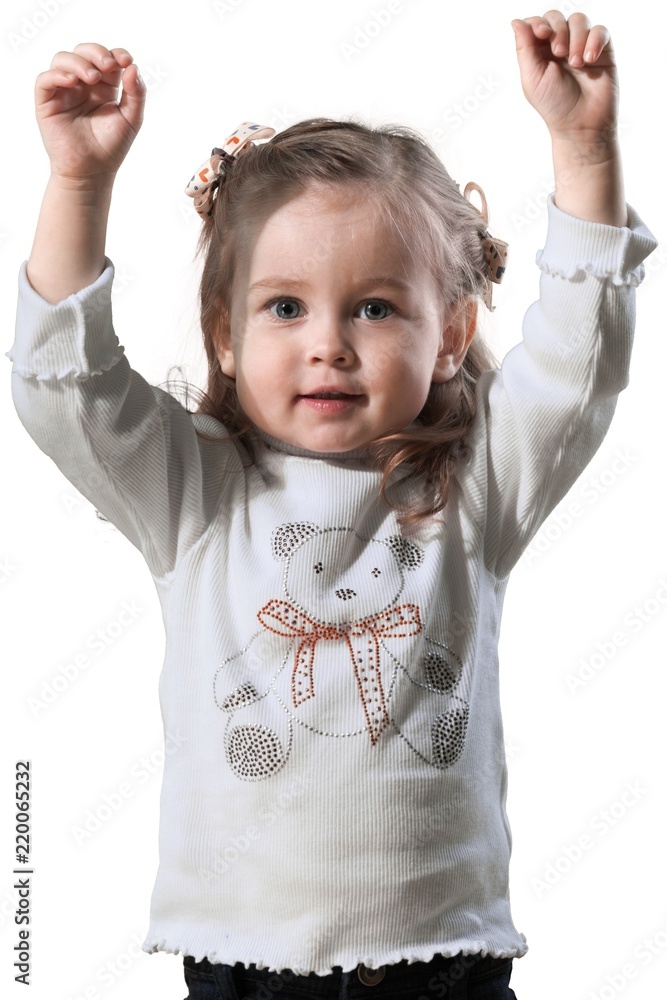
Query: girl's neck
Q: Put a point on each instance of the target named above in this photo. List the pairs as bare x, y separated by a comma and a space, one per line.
275, 444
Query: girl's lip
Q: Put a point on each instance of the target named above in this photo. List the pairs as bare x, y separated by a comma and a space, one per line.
328, 402
327, 390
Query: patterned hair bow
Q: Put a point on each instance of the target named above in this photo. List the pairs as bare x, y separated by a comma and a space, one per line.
204, 183
495, 250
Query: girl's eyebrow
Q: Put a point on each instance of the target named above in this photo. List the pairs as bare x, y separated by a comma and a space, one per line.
277, 281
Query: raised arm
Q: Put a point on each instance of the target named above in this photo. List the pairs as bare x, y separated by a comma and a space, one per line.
87, 133
128, 446
549, 406
568, 74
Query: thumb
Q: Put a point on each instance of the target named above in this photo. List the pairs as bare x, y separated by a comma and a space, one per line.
133, 97
531, 65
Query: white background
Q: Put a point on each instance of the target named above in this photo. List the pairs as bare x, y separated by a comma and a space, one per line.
65, 574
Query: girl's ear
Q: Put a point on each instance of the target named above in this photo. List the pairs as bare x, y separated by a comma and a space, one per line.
223, 344
456, 337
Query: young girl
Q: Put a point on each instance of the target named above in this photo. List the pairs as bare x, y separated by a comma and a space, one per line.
332, 532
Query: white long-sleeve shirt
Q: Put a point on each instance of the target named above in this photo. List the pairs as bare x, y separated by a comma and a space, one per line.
338, 794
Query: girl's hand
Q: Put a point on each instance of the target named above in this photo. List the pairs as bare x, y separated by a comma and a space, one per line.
87, 134
568, 74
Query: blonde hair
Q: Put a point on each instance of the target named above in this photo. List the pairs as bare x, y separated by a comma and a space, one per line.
397, 170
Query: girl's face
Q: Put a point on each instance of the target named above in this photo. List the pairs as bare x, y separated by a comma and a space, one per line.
335, 335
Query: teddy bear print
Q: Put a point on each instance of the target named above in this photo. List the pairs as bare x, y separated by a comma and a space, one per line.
343, 652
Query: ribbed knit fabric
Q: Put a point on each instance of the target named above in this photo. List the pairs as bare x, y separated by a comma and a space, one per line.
338, 792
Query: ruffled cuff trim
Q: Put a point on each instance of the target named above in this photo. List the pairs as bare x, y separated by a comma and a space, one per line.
575, 247
63, 372
71, 337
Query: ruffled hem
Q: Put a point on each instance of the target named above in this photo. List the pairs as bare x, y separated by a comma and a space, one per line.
426, 954
576, 248
577, 271
62, 373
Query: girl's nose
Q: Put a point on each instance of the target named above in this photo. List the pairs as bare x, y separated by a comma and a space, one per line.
331, 345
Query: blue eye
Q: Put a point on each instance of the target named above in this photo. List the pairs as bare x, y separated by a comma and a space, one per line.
291, 312
288, 309
373, 309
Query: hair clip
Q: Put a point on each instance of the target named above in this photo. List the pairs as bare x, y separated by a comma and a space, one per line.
495, 250
204, 183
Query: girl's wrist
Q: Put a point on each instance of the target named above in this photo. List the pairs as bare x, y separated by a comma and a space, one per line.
588, 174
587, 146
589, 190
92, 186
68, 251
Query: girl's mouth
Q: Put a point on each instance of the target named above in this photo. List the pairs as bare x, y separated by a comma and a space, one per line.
330, 402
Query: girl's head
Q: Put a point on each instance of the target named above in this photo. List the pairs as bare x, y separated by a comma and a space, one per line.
342, 259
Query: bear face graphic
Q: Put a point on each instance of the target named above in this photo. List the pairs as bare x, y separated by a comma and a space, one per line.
340, 577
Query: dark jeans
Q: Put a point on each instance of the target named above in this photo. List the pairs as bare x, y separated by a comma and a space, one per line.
464, 977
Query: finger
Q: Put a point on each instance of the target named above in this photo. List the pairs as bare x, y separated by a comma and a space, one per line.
69, 62
121, 56
70, 68
599, 41
529, 44
102, 57
51, 80
133, 97
92, 62
548, 33
579, 27
558, 38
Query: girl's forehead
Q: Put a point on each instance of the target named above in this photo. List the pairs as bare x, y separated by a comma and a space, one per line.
329, 223
333, 202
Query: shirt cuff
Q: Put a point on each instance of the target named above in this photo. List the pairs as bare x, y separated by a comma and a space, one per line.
75, 336
575, 247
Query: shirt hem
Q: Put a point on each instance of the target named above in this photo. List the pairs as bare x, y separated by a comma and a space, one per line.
409, 955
